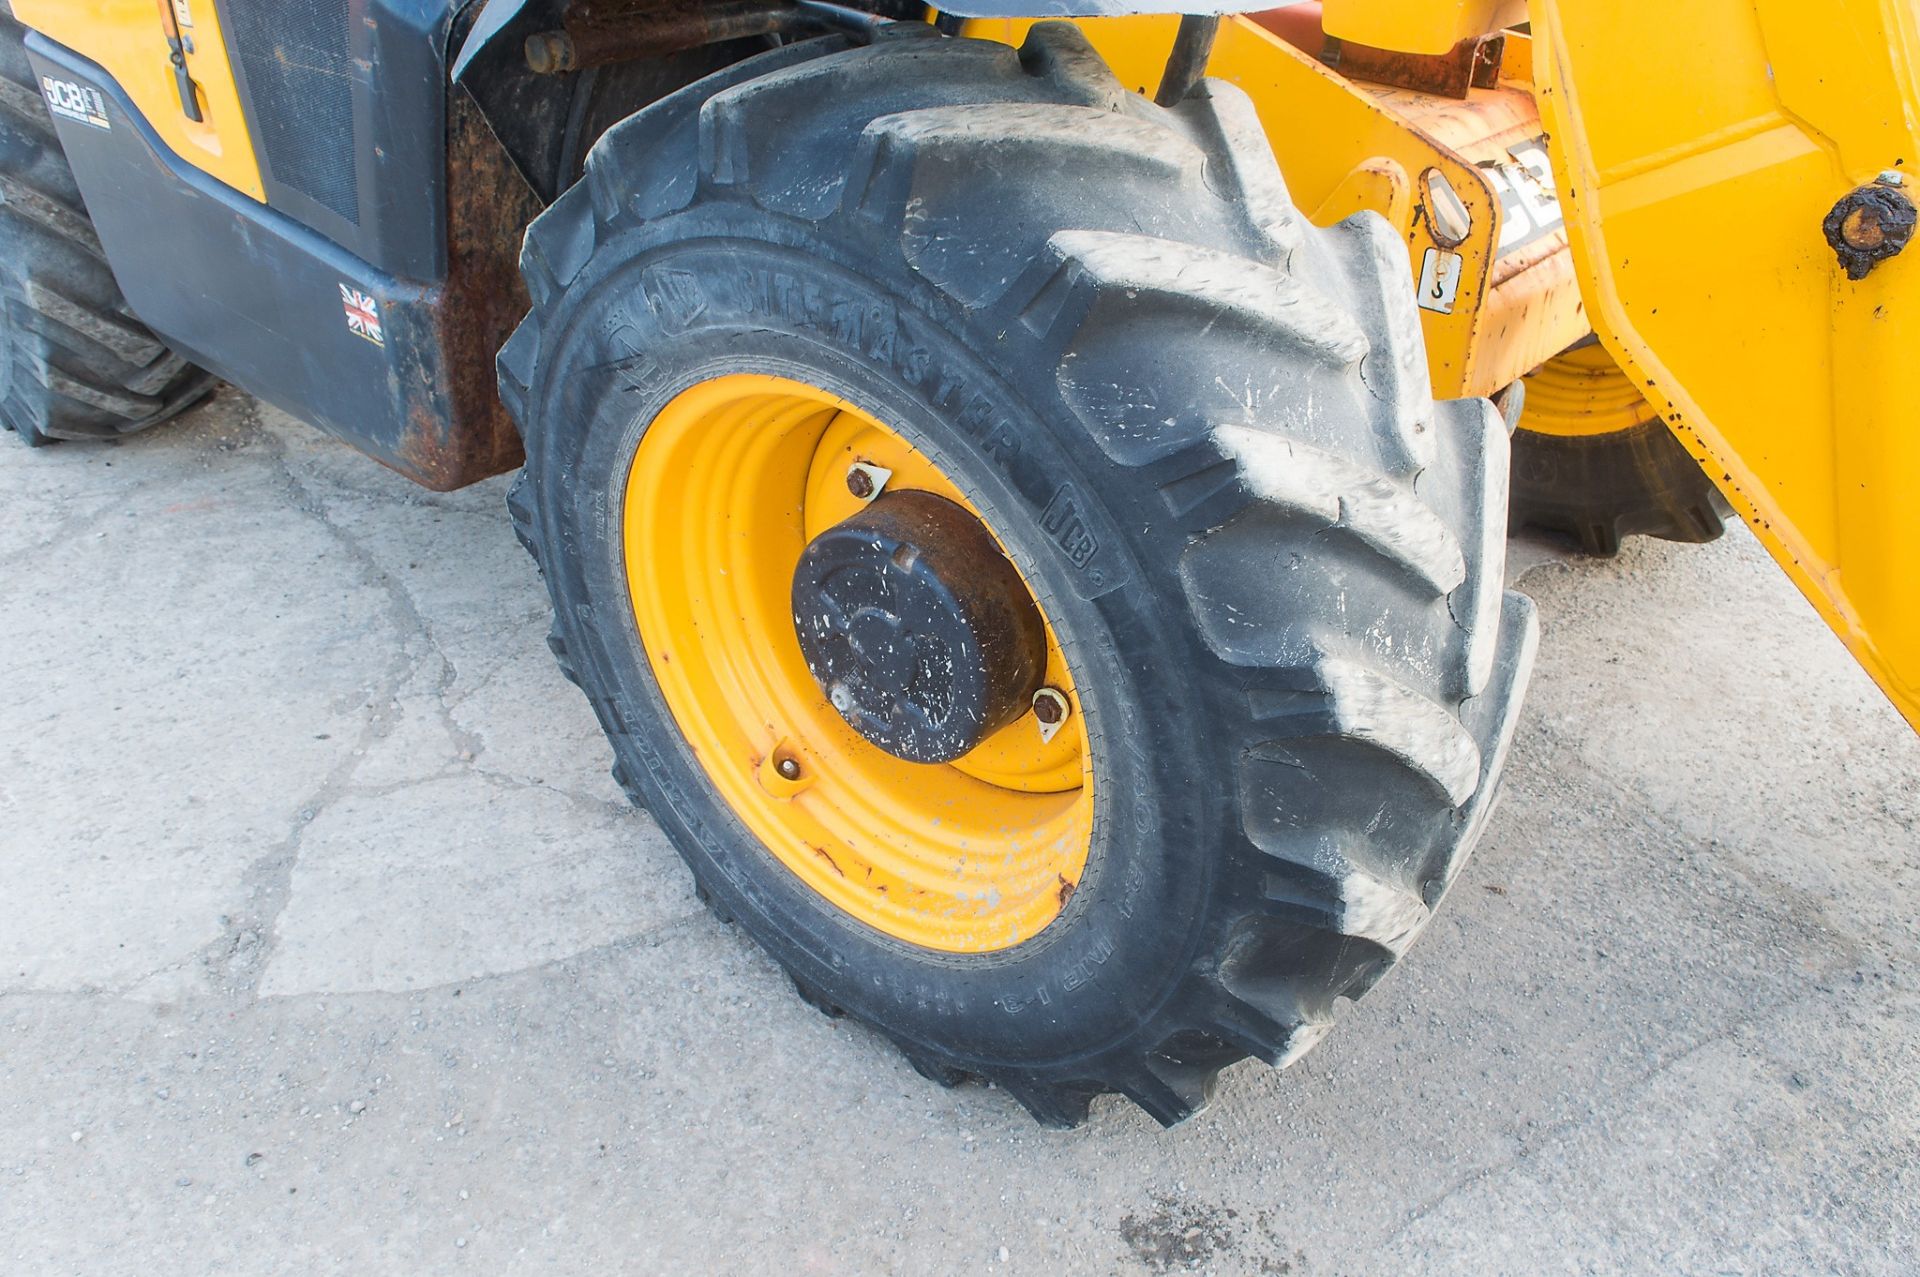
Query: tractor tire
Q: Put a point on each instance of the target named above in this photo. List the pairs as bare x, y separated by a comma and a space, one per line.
74, 363
1592, 460
1199, 428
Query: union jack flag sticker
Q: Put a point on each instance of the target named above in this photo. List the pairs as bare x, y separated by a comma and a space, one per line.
363, 315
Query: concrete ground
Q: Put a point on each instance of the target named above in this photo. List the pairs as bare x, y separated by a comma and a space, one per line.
327, 945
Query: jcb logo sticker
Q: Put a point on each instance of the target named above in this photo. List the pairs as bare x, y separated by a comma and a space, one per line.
77, 102
1529, 205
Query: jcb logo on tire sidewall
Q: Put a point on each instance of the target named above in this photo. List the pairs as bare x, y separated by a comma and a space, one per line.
71, 100
1069, 531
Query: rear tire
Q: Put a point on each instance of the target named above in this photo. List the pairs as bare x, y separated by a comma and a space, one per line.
1200, 428
74, 363
1593, 461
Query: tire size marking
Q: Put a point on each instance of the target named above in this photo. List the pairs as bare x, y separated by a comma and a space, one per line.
71, 100
1073, 978
1440, 281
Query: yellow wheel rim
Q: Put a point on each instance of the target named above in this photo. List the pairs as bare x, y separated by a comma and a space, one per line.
731, 480
1583, 392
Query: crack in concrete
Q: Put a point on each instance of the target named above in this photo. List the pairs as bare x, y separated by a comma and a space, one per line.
619, 807
410, 619
235, 961
654, 934
605, 949
239, 959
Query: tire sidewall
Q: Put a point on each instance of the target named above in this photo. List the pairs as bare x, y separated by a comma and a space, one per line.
711, 292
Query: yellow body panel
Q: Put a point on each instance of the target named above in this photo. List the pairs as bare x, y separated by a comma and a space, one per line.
127, 38
1700, 147
1368, 147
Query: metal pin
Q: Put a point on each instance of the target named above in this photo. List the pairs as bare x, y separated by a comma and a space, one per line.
1447, 214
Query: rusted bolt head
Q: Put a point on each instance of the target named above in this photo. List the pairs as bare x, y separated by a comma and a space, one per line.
1863, 229
789, 768
866, 480
550, 52
1870, 225
1050, 707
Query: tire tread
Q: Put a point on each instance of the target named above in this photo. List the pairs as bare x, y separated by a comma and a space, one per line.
1389, 495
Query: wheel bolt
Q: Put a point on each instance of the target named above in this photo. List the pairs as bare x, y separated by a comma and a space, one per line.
789, 768
1050, 710
865, 481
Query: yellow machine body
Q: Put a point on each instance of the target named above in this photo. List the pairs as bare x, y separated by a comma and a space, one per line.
1694, 190
128, 38
1696, 150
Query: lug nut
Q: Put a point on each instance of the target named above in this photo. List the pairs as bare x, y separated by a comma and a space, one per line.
1050, 710
865, 481
789, 768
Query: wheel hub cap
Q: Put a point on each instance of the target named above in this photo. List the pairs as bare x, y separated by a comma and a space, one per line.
919, 630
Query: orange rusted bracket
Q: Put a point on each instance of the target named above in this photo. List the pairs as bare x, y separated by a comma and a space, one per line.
1464, 181
1473, 63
